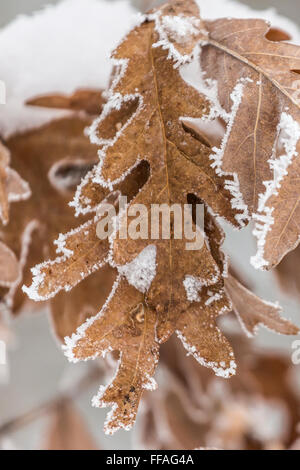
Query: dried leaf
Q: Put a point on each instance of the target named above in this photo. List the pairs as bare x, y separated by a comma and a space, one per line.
152, 151
200, 335
53, 158
67, 430
9, 266
90, 101
253, 311
12, 187
197, 409
86, 299
261, 145
125, 324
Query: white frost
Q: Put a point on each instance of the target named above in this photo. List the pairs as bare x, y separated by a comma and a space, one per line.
180, 28
288, 133
219, 368
195, 76
193, 286
172, 30
142, 270
70, 342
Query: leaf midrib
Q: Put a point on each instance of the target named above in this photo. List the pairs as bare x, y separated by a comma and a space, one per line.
165, 159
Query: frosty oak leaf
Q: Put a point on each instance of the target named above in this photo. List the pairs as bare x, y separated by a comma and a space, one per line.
53, 159
152, 152
262, 142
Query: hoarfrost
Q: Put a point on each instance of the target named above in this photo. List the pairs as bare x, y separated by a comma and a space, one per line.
176, 29
195, 76
288, 133
142, 270
213, 298
179, 28
38, 277
70, 342
193, 286
219, 368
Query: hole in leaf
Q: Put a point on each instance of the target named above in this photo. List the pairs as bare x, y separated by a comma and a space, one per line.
209, 133
277, 35
136, 179
194, 200
67, 174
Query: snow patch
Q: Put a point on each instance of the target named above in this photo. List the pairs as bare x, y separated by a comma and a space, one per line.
193, 286
142, 270
179, 29
39, 55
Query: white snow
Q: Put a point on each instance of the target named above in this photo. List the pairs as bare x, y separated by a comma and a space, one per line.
193, 286
172, 30
288, 133
195, 76
142, 270
213, 297
58, 50
179, 28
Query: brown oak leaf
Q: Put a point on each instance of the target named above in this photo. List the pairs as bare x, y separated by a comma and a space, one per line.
53, 159
257, 85
197, 409
146, 134
67, 430
253, 311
